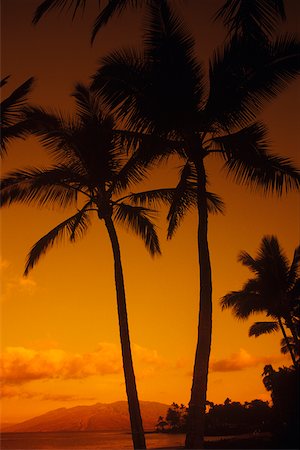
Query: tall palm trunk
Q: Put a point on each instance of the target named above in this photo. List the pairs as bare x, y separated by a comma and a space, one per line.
196, 415
137, 431
287, 341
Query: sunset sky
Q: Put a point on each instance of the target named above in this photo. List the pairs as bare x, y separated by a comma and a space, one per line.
59, 330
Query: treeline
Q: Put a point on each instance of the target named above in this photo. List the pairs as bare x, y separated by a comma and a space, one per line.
221, 419
282, 418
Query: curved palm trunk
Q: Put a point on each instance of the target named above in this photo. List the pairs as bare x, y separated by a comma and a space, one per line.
287, 341
133, 402
196, 414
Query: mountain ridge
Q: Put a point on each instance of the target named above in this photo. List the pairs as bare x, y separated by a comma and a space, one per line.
98, 417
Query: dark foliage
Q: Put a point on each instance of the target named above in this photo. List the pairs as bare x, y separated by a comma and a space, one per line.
284, 387
229, 418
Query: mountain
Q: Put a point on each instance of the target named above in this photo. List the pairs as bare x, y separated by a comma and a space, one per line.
98, 417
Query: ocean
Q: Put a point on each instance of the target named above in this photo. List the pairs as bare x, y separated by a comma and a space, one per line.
84, 441
96, 440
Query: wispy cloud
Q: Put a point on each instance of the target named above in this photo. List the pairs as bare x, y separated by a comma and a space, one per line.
242, 360
21, 392
4, 264
13, 285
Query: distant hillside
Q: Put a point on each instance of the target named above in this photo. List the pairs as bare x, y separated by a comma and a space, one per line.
99, 417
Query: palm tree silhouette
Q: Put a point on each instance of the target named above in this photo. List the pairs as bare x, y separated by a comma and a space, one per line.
92, 171
274, 290
13, 124
162, 92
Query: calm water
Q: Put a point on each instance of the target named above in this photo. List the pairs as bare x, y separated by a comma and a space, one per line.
84, 441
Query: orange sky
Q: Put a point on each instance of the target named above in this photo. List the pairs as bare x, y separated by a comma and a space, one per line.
59, 336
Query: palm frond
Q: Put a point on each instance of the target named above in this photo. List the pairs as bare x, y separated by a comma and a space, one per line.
294, 268
252, 74
285, 348
48, 5
155, 197
132, 172
242, 303
13, 123
88, 106
18, 130
273, 69
84, 101
148, 150
160, 90
112, 8
248, 261
228, 107
138, 220
121, 79
268, 173
273, 261
259, 328
185, 198
271, 290
256, 19
176, 88
271, 267
215, 204
151, 148
250, 142
89, 140
73, 228
55, 132
55, 186
12, 106
4, 80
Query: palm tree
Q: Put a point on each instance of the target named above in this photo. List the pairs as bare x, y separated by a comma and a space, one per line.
92, 171
161, 92
271, 290
12, 120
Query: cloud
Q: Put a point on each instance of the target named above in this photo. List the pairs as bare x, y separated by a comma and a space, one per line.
147, 361
4, 263
12, 285
20, 392
66, 397
242, 360
21, 365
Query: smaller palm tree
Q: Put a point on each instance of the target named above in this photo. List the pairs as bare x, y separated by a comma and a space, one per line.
273, 290
91, 173
12, 120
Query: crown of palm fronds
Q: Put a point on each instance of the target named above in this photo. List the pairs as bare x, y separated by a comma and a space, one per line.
162, 91
92, 170
273, 290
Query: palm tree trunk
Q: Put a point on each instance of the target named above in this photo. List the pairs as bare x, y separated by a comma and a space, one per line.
196, 413
287, 342
291, 326
137, 431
